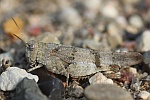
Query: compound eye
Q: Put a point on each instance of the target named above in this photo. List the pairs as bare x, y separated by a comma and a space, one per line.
31, 46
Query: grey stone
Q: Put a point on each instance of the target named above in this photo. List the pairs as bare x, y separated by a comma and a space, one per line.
53, 88
75, 90
106, 92
146, 57
70, 16
28, 89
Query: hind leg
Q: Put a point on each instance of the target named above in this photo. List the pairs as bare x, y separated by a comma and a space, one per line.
80, 69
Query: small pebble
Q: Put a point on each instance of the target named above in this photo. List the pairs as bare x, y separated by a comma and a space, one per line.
121, 20
34, 19
99, 78
143, 95
143, 42
8, 6
97, 36
75, 90
2, 96
91, 7
48, 38
135, 84
68, 37
34, 30
114, 37
146, 57
12, 76
133, 70
8, 56
70, 17
136, 21
109, 10
106, 92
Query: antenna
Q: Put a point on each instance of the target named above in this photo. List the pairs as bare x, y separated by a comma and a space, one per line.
19, 31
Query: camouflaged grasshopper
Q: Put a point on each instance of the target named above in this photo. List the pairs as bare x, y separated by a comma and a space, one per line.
76, 62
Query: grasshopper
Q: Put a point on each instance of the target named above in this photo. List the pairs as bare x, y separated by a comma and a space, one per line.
74, 61
64, 59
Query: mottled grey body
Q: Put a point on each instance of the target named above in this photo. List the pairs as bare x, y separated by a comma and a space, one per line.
63, 59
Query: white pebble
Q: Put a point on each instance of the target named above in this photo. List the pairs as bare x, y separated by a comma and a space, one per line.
136, 21
143, 42
100, 78
70, 16
109, 10
114, 37
121, 20
91, 8
92, 4
143, 95
12, 76
133, 70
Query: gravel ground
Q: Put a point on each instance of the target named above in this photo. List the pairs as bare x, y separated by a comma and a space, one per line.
106, 25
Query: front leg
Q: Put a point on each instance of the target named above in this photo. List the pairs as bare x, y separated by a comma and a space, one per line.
35, 67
